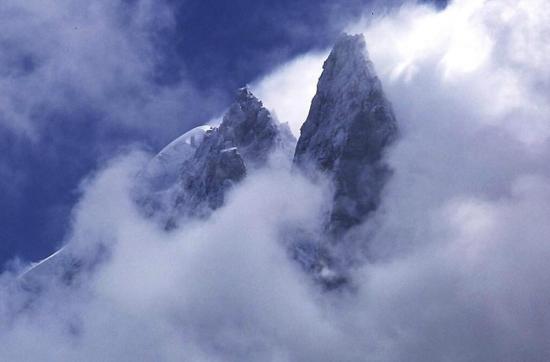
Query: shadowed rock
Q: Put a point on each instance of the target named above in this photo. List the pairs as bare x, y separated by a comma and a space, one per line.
203, 171
349, 125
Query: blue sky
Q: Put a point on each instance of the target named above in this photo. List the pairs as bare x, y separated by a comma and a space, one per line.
87, 82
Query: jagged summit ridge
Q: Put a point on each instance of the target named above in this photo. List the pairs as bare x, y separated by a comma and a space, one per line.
210, 160
348, 128
163, 170
250, 127
348, 68
192, 174
346, 132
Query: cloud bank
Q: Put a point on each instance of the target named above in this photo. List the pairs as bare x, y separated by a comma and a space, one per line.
457, 254
77, 80
63, 57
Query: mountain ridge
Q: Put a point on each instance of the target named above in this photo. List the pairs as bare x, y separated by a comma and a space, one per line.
349, 126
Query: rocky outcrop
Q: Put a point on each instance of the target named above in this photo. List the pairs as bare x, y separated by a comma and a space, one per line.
250, 127
349, 126
206, 177
199, 168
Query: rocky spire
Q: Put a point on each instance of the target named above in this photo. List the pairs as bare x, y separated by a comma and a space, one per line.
349, 125
249, 126
221, 157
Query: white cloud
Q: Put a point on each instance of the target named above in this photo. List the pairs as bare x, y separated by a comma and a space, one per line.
288, 90
71, 58
460, 243
222, 289
474, 51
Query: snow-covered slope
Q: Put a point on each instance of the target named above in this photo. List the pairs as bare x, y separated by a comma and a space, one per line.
164, 168
44, 266
65, 265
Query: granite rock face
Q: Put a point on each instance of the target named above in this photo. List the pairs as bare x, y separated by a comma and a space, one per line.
249, 126
210, 160
208, 175
349, 126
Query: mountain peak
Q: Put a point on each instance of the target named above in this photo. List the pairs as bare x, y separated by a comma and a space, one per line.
350, 44
244, 94
197, 169
246, 101
348, 127
348, 68
249, 126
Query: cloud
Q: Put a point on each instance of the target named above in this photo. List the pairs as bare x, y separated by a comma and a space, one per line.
77, 81
458, 251
70, 59
179, 295
288, 90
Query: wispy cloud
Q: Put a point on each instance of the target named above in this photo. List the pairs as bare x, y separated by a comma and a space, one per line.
459, 246
72, 58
